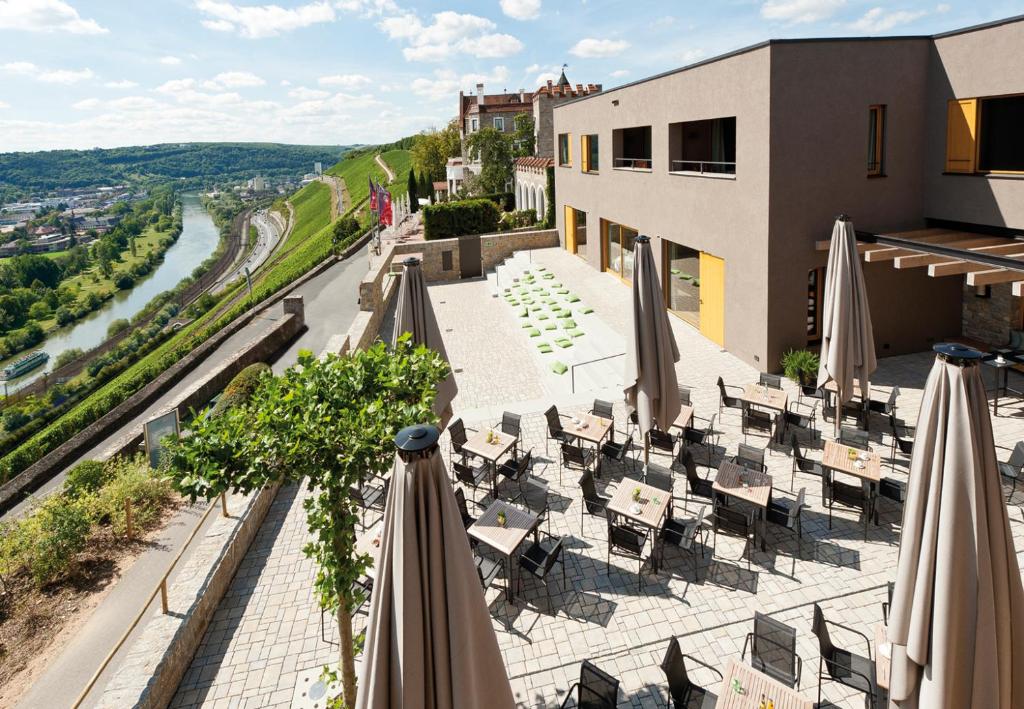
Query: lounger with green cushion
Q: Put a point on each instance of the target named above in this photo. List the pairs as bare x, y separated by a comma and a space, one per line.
548, 301
562, 291
556, 308
563, 342
555, 285
544, 347
574, 333
565, 314
526, 324
559, 368
542, 316
585, 311
548, 276
533, 332
542, 268
676, 271
523, 313
536, 308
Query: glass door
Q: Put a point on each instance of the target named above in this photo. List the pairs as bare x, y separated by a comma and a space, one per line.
619, 244
681, 269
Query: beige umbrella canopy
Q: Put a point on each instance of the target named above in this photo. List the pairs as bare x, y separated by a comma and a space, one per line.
429, 639
415, 315
957, 618
847, 340
652, 390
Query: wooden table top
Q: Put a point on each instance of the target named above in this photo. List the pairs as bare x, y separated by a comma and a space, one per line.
591, 428
685, 417
837, 457
478, 445
760, 395
754, 684
653, 503
730, 478
518, 524
882, 662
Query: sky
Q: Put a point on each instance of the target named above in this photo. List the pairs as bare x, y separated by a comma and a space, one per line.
106, 73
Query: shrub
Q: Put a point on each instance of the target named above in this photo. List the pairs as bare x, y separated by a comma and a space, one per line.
66, 357
505, 201
86, 477
61, 530
124, 281
800, 365
117, 326
449, 219
519, 219
131, 479
240, 388
13, 419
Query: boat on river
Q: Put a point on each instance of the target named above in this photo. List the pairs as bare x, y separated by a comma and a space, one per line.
24, 364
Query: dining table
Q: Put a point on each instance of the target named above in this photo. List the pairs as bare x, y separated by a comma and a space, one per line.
743, 687
641, 504
766, 397
592, 429
684, 419
489, 445
504, 537
751, 486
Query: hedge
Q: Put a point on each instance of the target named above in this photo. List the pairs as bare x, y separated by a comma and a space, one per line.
240, 388
506, 201
449, 219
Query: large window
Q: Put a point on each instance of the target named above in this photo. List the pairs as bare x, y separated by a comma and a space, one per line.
876, 140
681, 270
618, 245
565, 149
589, 161
631, 148
1001, 134
703, 147
499, 123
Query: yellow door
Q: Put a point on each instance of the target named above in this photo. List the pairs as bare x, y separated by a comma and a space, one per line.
712, 298
570, 229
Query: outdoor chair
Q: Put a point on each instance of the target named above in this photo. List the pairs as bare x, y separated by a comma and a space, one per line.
803, 464
727, 400
857, 497
696, 485
457, 431
662, 441
851, 410
891, 489
555, 430
799, 416
604, 410
534, 497
487, 571
787, 515
773, 650
575, 458
510, 424
854, 437
884, 408
515, 469
596, 689
660, 480
682, 692
594, 503
632, 421
619, 452
842, 666
363, 587
367, 495
629, 541
773, 381
902, 439
701, 436
1014, 467
732, 522
750, 457
538, 562
887, 604
470, 476
467, 518
682, 532
684, 396
757, 420
811, 391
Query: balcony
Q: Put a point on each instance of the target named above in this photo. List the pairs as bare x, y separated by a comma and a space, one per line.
631, 149
704, 148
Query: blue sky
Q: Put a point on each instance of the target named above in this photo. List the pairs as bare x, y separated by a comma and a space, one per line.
102, 73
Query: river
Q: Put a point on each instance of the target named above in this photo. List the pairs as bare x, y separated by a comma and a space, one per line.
197, 242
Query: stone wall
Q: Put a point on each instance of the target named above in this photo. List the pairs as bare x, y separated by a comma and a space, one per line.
990, 320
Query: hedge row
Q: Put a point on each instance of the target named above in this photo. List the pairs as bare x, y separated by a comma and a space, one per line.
506, 201
449, 219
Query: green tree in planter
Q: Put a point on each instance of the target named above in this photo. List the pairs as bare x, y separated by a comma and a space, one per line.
329, 423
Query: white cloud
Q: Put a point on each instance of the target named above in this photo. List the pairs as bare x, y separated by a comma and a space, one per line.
175, 86
367, 8
521, 9
285, 82
591, 48
943, 7
122, 84
233, 80
619, 73
798, 11
86, 104
45, 16
304, 94
49, 76
689, 56
346, 81
448, 34
446, 83
259, 21
878, 20
169, 60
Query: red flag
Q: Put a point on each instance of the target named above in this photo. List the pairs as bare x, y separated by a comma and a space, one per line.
386, 209
373, 197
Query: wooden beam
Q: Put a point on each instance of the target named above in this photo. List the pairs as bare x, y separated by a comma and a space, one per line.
887, 254
935, 259
954, 268
997, 275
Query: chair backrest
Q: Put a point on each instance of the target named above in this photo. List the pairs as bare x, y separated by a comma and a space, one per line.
770, 380
853, 437
674, 667
794, 445
773, 650
573, 455
524, 463
721, 389
684, 396
659, 479
552, 558
603, 409
661, 440
732, 521
1017, 456
812, 391
794, 511
597, 689
588, 486
750, 456
460, 498
554, 420
890, 404
626, 538
463, 473
820, 630
457, 431
510, 423
689, 465
535, 495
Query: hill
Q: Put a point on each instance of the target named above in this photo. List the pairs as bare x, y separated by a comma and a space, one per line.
192, 162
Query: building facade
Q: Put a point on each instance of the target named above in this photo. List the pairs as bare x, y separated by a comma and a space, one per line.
736, 167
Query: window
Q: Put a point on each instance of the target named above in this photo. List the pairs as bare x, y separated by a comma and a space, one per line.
876, 140
589, 153
703, 147
565, 149
1001, 134
499, 123
681, 269
576, 231
631, 148
474, 125
617, 244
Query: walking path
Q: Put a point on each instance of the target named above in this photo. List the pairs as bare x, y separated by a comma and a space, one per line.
384, 167
340, 201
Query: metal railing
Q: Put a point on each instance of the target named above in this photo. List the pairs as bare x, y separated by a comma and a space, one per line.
572, 369
703, 167
631, 163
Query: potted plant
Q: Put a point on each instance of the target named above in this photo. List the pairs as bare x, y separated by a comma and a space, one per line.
502, 519
800, 365
636, 494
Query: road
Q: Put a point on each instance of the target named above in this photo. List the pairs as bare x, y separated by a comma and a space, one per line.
330, 301
267, 238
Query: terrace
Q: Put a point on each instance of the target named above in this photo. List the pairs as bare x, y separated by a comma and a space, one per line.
265, 641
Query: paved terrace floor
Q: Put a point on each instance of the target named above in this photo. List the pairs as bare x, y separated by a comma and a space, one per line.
266, 631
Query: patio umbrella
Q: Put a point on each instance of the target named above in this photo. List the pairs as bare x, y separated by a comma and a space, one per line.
429, 639
957, 618
415, 315
847, 341
652, 390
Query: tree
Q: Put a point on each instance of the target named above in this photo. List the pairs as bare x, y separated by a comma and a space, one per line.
117, 326
433, 148
426, 189
414, 202
493, 149
329, 423
523, 139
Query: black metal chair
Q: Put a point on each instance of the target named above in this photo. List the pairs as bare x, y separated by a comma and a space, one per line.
457, 432
682, 532
847, 668
516, 469
682, 692
660, 480
773, 650
727, 400
604, 410
555, 430
902, 440
732, 522
891, 489
886, 605
787, 515
367, 495
575, 458
594, 503
857, 497
487, 570
460, 499
534, 497
696, 485
619, 452
811, 391
596, 689
662, 441
885, 408
626, 540
757, 420
770, 380
1014, 467
803, 464
750, 457
684, 396
693, 435
511, 425
854, 437
471, 476
799, 416
538, 562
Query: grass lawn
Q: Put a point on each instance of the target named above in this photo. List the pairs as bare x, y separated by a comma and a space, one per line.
312, 212
92, 280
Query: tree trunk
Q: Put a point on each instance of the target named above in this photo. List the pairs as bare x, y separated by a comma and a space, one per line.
347, 658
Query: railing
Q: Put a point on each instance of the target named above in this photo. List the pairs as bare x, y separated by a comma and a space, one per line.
631, 163
572, 370
703, 167
162, 590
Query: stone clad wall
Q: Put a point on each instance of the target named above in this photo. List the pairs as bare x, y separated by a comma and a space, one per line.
990, 319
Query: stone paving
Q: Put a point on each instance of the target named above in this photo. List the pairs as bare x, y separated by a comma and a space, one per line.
267, 630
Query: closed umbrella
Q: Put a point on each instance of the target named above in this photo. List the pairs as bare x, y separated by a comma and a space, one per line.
415, 315
847, 341
957, 618
429, 639
652, 390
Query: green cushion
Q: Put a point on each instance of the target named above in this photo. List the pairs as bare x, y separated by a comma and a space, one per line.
535, 308
523, 313
542, 316
574, 333
565, 314
549, 275
548, 301
541, 268
544, 347
676, 271
568, 323
526, 324
555, 285
533, 332
573, 299
586, 311
559, 368
556, 308
550, 326
562, 291
563, 342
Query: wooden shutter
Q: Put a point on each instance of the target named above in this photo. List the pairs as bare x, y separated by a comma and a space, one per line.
570, 229
961, 135
585, 153
569, 143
